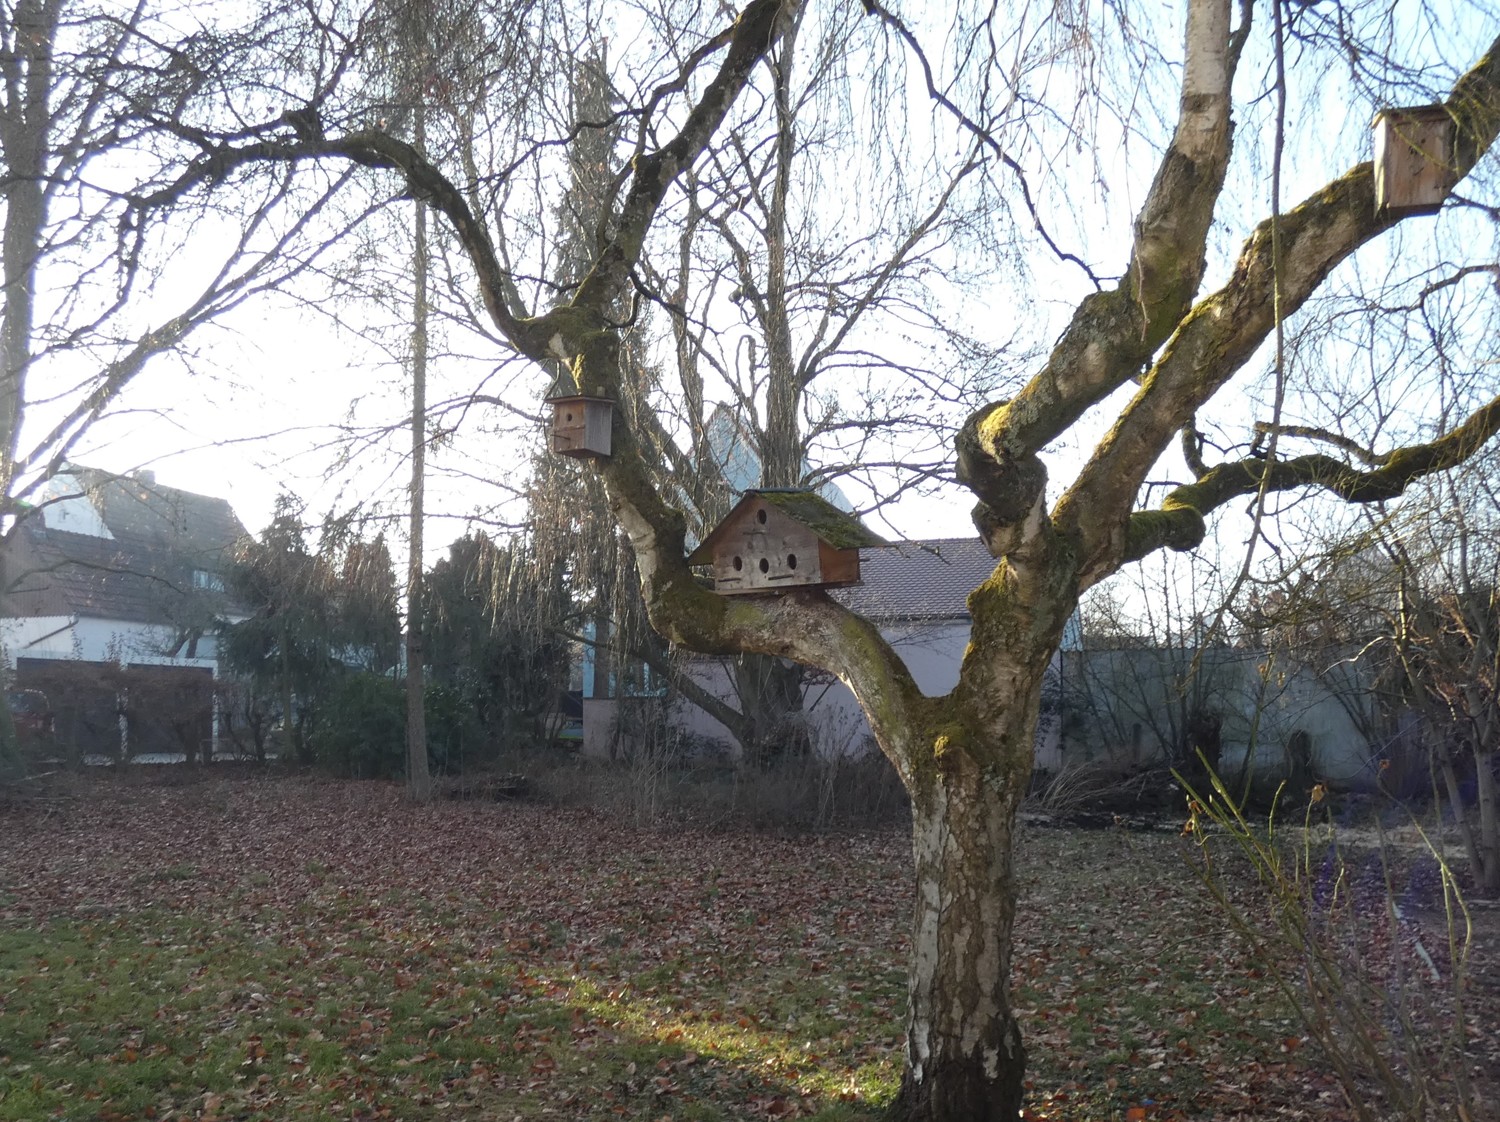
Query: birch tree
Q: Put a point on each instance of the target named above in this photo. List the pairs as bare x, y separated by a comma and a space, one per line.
96, 286
1150, 347
94, 291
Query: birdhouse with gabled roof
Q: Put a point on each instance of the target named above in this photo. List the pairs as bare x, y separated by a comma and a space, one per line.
776, 539
580, 422
1414, 160
581, 425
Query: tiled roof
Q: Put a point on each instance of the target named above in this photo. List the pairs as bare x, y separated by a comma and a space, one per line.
146, 572
195, 528
919, 579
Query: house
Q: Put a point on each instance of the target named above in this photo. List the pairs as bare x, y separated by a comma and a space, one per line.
110, 587
1245, 709
1141, 706
917, 593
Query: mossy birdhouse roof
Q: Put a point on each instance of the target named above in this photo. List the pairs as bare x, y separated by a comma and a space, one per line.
806, 508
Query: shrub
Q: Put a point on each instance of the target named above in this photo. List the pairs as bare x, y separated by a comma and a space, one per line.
1325, 920
361, 728
456, 738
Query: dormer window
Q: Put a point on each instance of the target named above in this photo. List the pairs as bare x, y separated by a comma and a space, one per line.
207, 581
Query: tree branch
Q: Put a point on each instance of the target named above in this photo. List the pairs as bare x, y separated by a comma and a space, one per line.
1224, 329
1180, 523
1310, 432
1114, 333
373, 149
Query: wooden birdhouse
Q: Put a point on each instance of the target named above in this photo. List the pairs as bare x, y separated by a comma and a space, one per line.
581, 425
1414, 170
779, 539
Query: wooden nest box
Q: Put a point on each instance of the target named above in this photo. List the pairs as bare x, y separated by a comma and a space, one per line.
779, 539
581, 425
1414, 169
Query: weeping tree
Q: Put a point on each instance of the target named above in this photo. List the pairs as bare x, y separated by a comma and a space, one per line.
497, 635
1136, 369
763, 241
788, 379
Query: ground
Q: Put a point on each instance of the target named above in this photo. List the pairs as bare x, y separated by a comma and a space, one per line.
255, 948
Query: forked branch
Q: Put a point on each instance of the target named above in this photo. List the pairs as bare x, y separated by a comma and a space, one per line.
1180, 523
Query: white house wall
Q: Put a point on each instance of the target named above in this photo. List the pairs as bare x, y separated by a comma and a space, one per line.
99, 640
1299, 702
65, 506
1121, 703
933, 653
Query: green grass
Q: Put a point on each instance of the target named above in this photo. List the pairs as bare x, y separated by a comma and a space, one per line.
162, 1016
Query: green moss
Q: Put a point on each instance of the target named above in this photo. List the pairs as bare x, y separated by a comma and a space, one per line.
596, 365
693, 615
1178, 526
808, 508
991, 427
950, 736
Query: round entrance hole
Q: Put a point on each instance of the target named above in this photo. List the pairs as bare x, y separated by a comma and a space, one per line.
739, 563
760, 516
791, 560
765, 565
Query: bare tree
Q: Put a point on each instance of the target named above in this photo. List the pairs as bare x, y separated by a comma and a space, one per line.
96, 288
1150, 344
99, 283
1404, 609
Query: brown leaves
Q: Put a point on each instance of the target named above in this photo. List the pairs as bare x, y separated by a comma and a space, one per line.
322, 944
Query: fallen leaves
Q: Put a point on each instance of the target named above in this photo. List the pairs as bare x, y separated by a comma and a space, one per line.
324, 949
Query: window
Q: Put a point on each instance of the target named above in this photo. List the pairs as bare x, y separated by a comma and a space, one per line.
209, 582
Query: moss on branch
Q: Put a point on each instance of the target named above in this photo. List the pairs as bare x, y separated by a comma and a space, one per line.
1475, 105
1180, 523
1218, 336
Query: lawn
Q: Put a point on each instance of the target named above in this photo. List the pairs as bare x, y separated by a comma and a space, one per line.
289, 948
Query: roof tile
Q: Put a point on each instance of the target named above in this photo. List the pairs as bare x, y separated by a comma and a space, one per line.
928, 579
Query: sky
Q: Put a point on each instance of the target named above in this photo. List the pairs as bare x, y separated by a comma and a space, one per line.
255, 411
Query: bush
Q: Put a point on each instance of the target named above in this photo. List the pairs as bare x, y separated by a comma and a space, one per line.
456, 738
1326, 921
361, 728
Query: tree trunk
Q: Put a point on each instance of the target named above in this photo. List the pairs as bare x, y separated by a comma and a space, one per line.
1486, 859
25, 143
292, 740
418, 775
964, 1058
1467, 831
12, 764
770, 694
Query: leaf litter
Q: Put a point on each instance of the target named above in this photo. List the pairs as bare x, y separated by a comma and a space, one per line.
281, 948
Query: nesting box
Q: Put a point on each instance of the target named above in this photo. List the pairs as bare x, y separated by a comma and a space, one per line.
779, 539
1414, 169
581, 425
